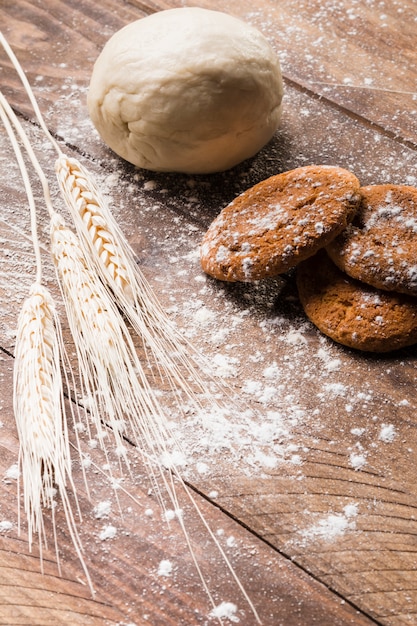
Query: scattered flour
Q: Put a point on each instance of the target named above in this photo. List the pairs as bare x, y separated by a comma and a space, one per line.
165, 568
387, 433
108, 532
204, 316
330, 363
202, 468
357, 461
295, 338
225, 366
272, 371
335, 389
404, 402
12, 472
332, 526
171, 514
225, 610
175, 458
5, 525
150, 185
102, 509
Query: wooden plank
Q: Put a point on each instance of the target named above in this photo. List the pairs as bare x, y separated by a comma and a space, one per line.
159, 265
124, 568
322, 472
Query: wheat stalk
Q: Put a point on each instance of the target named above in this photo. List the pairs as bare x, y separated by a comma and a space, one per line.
112, 376
38, 397
177, 361
44, 455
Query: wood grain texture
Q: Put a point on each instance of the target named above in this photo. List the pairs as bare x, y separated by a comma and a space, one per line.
324, 474
125, 569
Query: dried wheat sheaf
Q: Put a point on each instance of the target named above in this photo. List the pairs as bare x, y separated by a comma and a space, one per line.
102, 291
38, 392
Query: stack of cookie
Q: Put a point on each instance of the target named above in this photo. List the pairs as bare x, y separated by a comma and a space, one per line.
354, 248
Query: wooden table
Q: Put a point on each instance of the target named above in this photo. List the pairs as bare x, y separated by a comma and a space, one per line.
315, 500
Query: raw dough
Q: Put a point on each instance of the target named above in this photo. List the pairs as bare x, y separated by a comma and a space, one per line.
186, 90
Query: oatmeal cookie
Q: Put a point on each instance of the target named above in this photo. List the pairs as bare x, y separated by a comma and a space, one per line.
279, 222
379, 247
354, 314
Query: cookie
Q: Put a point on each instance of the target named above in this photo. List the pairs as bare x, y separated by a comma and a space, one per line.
352, 313
379, 247
282, 220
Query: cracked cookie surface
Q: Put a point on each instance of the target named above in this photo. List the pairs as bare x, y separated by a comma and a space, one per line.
352, 313
279, 222
379, 246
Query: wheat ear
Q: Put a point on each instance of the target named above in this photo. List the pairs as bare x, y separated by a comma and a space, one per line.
38, 406
38, 397
112, 375
177, 361
44, 456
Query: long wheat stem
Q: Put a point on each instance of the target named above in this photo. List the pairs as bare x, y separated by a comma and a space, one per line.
38, 397
28, 89
114, 262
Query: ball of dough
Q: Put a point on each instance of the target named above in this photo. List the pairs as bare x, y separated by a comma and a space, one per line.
186, 90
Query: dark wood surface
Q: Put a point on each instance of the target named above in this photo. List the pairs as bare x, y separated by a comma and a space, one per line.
314, 499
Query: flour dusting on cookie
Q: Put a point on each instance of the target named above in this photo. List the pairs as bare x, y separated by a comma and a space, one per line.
352, 313
279, 222
379, 246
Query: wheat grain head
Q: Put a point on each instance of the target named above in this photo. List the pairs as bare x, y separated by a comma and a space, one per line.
38, 405
112, 375
86, 204
178, 364
44, 456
